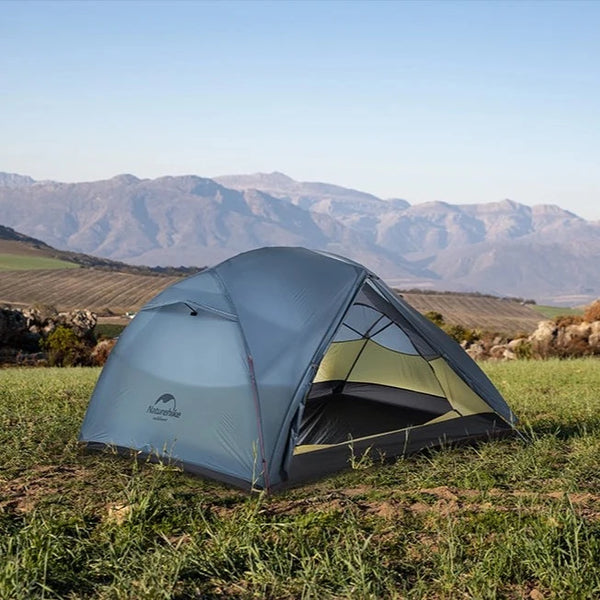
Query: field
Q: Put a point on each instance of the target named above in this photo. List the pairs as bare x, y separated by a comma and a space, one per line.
505, 519
82, 288
15, 262
100, 290
549, 312
478, 312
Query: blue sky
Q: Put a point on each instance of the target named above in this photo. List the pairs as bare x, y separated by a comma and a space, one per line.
455, 101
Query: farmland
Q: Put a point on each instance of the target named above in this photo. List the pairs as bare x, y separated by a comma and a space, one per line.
12, 262
550, 312
119, 292
94, 289
475, 311
509, 518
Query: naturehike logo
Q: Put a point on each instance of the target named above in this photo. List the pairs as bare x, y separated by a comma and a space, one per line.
164, 407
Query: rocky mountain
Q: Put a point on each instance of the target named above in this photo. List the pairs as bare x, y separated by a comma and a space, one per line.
14, 180
506, 248
179, 221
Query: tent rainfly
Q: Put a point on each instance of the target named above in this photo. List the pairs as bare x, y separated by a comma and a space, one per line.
278, 365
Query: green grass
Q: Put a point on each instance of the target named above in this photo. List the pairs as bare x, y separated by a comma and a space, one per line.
108, 330
549, 312
17, 262
497, 520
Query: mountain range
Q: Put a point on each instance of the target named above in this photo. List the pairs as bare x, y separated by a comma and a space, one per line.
505, 248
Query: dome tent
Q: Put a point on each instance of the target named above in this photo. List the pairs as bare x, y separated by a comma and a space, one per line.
276, 365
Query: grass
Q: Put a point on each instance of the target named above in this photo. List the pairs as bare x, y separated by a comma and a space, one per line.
505, 519
549, 312
108, 330
16, 262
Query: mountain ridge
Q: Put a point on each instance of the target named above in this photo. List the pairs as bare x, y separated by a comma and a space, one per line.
501, 247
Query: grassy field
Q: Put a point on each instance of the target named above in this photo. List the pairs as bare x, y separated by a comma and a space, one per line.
505, 519
549, 312
14, 262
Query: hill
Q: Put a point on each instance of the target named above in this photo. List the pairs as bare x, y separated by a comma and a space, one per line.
71, 280
502, 248
63, 280
21, 252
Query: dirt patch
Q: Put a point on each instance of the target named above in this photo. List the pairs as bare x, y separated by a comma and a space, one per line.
25, 492
444, 500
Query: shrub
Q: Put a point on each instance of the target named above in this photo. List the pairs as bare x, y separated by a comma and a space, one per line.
435, 317
65, 349
461, 334
524, 351
592, 312
566, 320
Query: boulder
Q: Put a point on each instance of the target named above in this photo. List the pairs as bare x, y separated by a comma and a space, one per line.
22, 330
514, 345
594, 337
101, 351
82, 322
542, 339
476, 351
13, 327
497, 352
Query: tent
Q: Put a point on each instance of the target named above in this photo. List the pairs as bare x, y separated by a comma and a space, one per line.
278, 365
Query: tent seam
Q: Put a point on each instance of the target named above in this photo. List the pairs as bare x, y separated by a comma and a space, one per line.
253, 383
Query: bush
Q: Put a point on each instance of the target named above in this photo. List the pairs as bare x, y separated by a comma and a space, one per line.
461, 334
435, 317
592, 312
524, 351
566, 320
65, 349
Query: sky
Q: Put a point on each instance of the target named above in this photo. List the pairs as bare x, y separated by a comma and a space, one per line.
455, 101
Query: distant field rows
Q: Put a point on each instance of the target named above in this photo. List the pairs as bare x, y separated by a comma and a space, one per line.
120, 292
478, 312
81, 288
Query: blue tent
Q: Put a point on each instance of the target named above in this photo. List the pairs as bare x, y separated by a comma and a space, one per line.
277, 365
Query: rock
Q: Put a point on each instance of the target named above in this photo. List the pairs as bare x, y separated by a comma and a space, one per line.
476, 351
545, 333
101, 351
13, 326
594, 337
571, 333
22, 330
513, 345
82, 322
497, 351
542, 339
